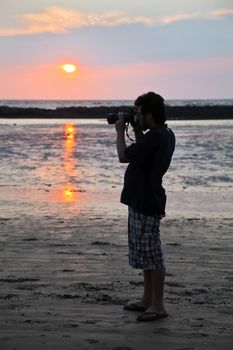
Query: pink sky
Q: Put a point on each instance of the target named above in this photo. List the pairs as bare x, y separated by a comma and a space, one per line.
170, 78
183, 50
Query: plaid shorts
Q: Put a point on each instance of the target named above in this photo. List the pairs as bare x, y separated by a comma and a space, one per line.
144, 241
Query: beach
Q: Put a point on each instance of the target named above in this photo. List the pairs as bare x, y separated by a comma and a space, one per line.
64, 282
64, 270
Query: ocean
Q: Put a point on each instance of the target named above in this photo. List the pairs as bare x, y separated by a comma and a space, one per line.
53, 104
63, 168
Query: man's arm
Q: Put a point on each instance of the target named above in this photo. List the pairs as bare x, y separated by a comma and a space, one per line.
120, 141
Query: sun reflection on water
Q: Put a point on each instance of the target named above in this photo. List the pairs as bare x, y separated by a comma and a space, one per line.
70, 192
69, 163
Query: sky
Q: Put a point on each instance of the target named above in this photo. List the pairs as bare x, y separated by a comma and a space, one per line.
182, 49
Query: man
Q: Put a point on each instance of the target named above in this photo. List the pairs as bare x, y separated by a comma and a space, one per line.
149, 159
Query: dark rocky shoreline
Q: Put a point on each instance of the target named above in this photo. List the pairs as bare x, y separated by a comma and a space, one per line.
173, 112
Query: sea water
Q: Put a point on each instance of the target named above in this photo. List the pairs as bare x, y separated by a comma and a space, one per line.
65, 167
53, 104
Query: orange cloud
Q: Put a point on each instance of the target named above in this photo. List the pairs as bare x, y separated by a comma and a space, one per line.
61, 20
220, 13
180, 17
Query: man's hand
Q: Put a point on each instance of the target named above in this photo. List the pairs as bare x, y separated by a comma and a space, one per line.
120, 124
120, 142
138, 132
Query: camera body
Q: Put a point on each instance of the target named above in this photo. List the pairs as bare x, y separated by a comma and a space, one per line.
127, 116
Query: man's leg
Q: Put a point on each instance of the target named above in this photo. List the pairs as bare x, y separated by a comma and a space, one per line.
146, 299
157, 278
147, 296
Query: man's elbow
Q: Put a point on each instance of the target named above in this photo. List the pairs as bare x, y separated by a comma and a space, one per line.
123, 159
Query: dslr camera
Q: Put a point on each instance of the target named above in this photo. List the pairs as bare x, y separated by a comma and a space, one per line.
129, 117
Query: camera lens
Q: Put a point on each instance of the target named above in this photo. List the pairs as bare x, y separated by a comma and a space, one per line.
112, 118
127, 116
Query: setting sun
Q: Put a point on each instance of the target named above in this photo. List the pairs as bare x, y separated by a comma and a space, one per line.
69, 68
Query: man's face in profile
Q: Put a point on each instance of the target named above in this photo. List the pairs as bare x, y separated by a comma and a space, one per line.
140, 119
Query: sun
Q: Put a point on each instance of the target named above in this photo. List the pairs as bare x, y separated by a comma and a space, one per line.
69, 68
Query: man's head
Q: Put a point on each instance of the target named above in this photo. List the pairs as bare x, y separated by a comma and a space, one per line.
150, 109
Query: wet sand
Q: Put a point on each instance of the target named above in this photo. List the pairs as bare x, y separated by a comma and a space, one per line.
64, 281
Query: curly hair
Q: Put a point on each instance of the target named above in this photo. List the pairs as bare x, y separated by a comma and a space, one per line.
153, 103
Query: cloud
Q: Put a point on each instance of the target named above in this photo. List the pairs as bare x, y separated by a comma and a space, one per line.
180, 17
220, 13
61, 20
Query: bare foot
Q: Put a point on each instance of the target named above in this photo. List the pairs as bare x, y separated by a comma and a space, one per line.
157, 310
143, 303
137, 306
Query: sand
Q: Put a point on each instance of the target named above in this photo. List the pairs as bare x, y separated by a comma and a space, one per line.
64, 281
